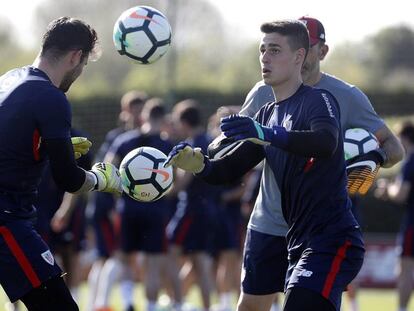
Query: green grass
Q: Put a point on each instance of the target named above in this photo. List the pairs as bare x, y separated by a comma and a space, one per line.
369, 299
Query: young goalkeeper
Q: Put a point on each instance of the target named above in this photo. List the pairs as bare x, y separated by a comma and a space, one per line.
299, 136
35, 123
267, 216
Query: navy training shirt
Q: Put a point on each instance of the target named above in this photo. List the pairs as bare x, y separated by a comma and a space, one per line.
313, 190
31, 108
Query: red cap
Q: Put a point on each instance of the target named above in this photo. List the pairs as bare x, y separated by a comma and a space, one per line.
315, 28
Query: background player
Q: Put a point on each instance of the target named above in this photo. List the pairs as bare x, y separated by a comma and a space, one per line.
143, 224
229, 228
105, 220
34, 108
193, 217
401, 191
267, 217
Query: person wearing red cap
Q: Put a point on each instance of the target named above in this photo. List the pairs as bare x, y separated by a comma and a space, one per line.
267, 217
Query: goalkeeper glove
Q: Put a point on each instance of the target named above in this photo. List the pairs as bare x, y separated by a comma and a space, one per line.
362, 170
186, 157
245, 128
108, 178
81, 146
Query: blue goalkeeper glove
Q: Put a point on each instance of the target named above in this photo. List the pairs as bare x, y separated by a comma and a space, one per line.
362, 170
186, 157
108, 178
245, 128
81, 146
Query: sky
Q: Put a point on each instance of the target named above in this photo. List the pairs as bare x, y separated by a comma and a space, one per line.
345, 20
350, 20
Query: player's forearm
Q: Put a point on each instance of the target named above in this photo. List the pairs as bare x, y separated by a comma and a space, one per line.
392, 147
67, 175
67, 206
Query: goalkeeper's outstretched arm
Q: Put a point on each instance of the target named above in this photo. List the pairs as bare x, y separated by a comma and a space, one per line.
71, 178
234, 165
225, 170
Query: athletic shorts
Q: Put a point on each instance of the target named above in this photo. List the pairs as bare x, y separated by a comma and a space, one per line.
143, 226
405, 241
73, 235
328, 264
265, 263
25, 259
192, 229
229, 229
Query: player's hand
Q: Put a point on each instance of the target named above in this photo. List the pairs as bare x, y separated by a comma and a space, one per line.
362, 170
245, 128
81, 146
109, 179
186, 157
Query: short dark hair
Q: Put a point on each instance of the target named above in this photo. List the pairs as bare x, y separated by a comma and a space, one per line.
154, 109
296, 31
133, 98
188, 111
65, 34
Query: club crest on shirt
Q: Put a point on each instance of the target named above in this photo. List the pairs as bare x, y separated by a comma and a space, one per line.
287, 122
48, 257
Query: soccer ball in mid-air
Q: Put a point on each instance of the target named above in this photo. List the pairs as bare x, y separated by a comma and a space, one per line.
143, 34
358, 141
143, 176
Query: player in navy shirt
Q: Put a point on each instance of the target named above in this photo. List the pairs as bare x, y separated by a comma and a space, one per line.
401, 191
300, 138
196, 205
142, 226
104, 218
35, 123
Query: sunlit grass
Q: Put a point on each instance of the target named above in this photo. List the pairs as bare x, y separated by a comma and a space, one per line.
369, 299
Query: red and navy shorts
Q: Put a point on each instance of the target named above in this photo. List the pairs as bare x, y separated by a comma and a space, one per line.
25, 259
328, 264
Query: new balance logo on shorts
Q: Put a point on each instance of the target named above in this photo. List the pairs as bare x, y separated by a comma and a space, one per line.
305, 273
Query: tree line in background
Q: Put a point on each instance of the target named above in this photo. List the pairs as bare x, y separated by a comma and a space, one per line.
207, 54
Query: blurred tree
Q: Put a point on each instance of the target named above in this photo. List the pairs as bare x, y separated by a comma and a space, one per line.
393, 58
383, 61
393, 48
11, 54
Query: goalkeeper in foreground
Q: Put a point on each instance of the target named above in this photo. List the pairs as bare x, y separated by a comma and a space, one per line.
267, 218
35, 123
300, 139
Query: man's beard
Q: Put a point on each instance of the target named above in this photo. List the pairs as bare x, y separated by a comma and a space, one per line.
68, 79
